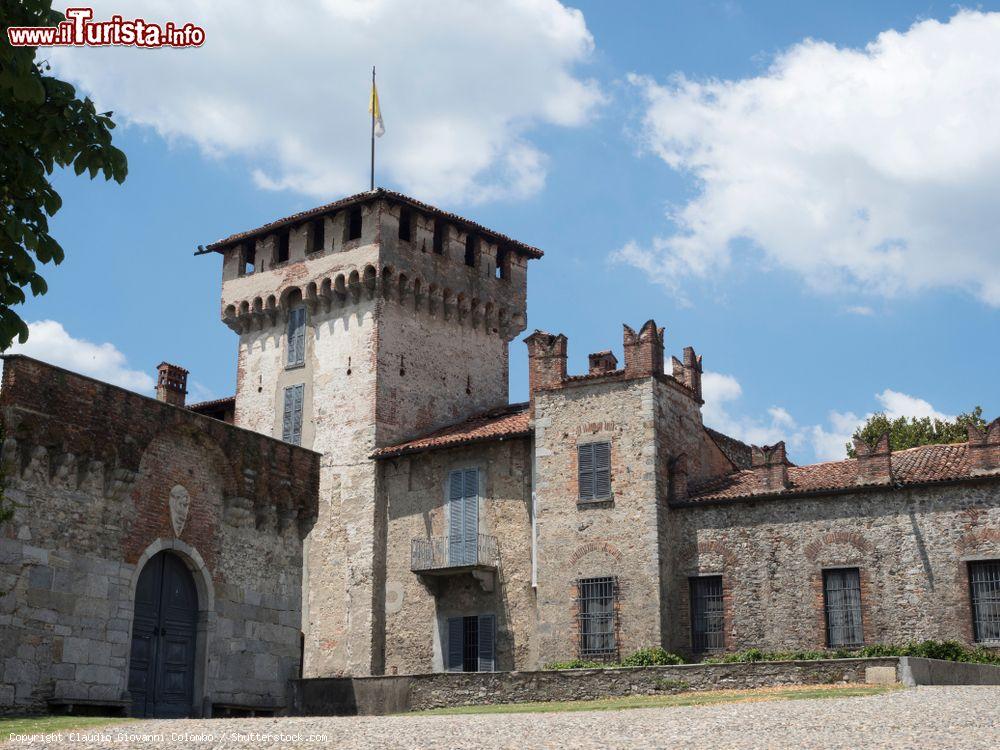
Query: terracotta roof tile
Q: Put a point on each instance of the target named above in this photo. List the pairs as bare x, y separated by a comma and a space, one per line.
219, 245
210, 404
928, 463
498, 424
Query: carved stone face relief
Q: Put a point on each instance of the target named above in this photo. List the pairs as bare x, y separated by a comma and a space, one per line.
180, 503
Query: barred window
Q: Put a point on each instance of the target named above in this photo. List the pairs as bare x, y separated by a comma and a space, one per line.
597, 617
706, 614
594, 471
984, 587
842, 601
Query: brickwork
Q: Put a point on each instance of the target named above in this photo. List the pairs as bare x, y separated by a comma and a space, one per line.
92, 469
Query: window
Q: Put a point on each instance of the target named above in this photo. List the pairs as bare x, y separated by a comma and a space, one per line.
354, 224
291, 427
439, 237
842, 601
404, 224
984, 587
248, 259
317, 235
594, 471
597, 620
471, 643
282, 251
706, 614
502, 270
470, 249
463, 517
296, 336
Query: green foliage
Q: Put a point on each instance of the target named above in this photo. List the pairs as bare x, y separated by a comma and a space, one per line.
674, 685
42, 125
909, 432
578, 664
651, 657
947, 650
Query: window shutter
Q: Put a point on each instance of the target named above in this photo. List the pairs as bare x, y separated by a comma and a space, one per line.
297, 336
455, 642
487, 642
470, 515
286, 419
602, 470
456, 546
585, 470
291, 418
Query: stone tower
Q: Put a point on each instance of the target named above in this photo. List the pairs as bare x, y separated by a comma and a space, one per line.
362, 323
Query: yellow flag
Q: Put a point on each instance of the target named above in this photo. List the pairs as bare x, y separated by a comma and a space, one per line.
378, 127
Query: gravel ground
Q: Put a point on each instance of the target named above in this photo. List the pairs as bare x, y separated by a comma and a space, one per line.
926, 717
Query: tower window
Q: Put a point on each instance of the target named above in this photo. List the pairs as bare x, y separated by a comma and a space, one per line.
842, 601
503, 258
439, 237
248, 259
706, 614
296, 337
984, 586
405, 219
317, 235
354, 224
282, 251
594, 471
596, 617
470, 249
291, 425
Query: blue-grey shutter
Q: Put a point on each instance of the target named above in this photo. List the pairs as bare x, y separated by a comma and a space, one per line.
455, 643
585, 470
297, 336
456, 531
602, 470
291, 421
487, 643
470, 515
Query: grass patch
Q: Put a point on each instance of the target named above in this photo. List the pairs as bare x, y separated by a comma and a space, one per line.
48, 724
705, 698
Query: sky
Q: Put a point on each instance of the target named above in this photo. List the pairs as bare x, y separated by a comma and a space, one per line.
804, 192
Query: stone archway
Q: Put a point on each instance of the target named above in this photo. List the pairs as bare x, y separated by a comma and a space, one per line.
173, 608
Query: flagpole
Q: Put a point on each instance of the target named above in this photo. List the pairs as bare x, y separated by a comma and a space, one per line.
373, 129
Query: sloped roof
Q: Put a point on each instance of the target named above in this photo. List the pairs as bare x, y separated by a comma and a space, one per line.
520, 247
926, 463
498, 424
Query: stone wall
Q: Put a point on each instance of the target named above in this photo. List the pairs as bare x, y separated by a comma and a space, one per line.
912, 547
381, 695
417, 607
92, 469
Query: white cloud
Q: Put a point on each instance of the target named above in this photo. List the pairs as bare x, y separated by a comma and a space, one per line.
286, 85
873, 169
826, 442
50, 342
860, 310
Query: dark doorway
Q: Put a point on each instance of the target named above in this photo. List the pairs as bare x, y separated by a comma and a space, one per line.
164, 632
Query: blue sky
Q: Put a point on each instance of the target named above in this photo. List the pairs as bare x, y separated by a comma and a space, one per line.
812, 216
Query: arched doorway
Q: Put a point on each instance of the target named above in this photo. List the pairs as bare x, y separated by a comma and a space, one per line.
164, 638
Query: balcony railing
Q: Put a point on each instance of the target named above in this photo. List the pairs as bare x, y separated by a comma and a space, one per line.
443, 552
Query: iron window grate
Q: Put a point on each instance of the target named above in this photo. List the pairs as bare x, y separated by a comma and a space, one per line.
598, 617
842, 602
984, 586
707, 619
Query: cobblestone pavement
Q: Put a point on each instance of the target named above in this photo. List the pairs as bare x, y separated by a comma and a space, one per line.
926, 717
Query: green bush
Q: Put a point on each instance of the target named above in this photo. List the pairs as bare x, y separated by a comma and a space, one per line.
651, 657
578, 664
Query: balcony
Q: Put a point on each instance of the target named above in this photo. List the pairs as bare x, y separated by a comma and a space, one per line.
443, 556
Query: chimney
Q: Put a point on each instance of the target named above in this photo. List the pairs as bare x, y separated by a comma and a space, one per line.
874, 464
171, 384
602, 362
689, 371
984, 448
770, 467
643, 351
546, 361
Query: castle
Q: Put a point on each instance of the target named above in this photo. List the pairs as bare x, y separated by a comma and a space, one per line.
371, 491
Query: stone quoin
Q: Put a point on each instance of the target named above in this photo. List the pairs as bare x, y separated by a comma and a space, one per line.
370, 502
